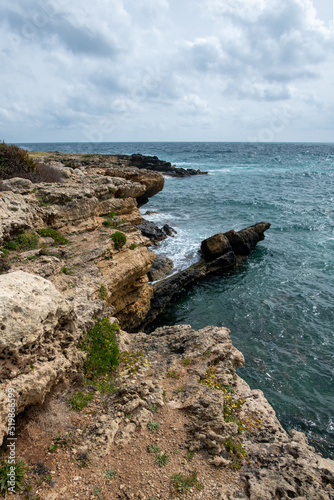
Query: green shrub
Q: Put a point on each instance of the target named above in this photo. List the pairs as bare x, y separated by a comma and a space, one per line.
20, 470
79, 400
133, 246
25, 241
49, 232
15, 162
102, 349
119, 239
103, 292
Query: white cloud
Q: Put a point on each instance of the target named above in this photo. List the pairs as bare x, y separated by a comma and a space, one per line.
133, 70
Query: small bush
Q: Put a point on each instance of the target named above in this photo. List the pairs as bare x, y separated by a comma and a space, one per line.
20, 470
49, 232
153, 448
119, 239
79, 400
15, 162
102, 349
65, 270
133, 246
25, 241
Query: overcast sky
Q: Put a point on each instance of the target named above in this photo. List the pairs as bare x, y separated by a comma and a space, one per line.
166, 70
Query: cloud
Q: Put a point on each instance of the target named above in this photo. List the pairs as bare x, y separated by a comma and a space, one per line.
260, 44
125, 69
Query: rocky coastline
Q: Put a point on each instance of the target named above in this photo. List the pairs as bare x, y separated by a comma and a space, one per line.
75, 251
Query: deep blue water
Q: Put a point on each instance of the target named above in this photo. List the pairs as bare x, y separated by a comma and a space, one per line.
279, 304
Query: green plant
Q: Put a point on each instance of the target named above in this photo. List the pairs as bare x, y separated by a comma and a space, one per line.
65, 270
79, 400
49, 232
190, 456
110, 473
102, 349
119, 239
235, 448
173, 374
96, 491
152, 408
176, 451
187, 362
103, 292
133, 246
53, 447
25, 241
153, 426
106, 385
15, 162
161, 459
12, 476
183, 484
31, 366
153, 448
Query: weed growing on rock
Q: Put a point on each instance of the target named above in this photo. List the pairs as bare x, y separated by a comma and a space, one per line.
153, 426
132, 361
237, 451
103, 292
102, 349
49, 232
231, 405
183, 484
133, 246
25, 241
119, 239
18, 471
65, 270
187, 362
80, 400
173, 374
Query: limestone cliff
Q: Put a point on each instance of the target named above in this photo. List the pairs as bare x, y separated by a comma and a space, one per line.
71, 255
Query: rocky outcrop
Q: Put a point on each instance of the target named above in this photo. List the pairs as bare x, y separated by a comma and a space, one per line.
218, 256
232, 426
38, 341
153, 163
160, 268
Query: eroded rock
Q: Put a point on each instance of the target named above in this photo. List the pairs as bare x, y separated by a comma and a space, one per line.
38, 338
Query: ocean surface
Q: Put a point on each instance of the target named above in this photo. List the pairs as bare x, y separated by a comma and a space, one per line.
279, 304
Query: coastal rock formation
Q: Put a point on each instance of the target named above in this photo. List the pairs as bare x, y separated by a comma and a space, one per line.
38, 340
191, 376
153, 163
219, 255
160, 268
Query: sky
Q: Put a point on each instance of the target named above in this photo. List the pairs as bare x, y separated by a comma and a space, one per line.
166, 70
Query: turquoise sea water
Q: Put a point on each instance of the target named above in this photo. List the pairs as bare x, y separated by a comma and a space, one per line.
279, 304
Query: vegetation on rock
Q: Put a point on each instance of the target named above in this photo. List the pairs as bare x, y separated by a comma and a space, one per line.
49, 232
25, 241
119, 239
102, 349
15, 162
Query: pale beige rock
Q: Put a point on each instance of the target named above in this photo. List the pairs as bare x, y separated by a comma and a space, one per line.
38, 337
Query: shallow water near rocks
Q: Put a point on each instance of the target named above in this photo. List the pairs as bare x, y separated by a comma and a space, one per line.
279, 304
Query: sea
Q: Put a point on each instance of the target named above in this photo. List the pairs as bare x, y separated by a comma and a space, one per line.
279, 303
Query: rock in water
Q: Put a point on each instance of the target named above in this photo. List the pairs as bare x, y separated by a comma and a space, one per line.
38, 338
160, 269
215, 246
